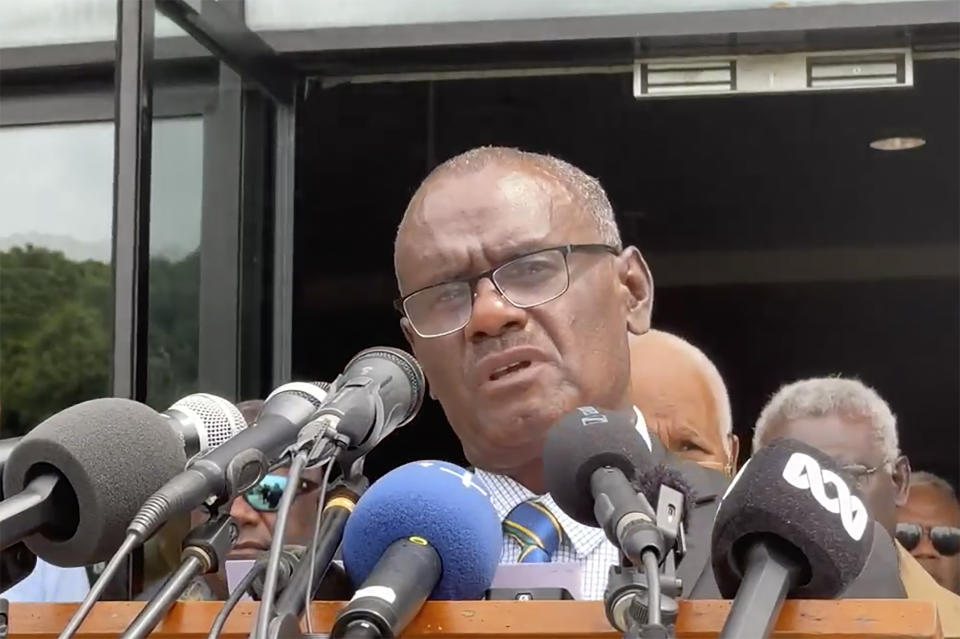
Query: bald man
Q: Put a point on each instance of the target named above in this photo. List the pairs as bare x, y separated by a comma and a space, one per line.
683, 398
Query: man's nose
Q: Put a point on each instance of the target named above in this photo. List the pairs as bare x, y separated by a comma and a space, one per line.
492, 315
925, 548
243, 513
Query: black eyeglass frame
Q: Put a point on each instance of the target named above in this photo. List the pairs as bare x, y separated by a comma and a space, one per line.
566, 249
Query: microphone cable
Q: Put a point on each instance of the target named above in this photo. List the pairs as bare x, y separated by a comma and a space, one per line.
221, 619
262, 624
312, 554
300, 460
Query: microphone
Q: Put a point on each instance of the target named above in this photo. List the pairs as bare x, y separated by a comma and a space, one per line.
597, 468
590, 459
652, 482
99, 460
424, 530
204, 421
235, 465
380, 390
60, 465
789, 525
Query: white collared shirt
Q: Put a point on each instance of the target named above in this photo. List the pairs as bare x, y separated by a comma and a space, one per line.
583, 544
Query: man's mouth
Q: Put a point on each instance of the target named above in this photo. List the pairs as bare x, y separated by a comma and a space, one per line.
503, 371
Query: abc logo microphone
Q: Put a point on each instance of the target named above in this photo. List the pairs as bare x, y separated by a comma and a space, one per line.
789, 525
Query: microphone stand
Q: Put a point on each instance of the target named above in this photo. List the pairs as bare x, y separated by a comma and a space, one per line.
204, 550
764, 587
29, 510
641, 598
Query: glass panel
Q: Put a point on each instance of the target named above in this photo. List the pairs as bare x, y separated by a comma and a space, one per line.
55, 280
176, 191
196, 335
39, 22
305, 14
176, 199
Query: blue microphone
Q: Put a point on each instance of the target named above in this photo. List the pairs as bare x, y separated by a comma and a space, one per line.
425, 530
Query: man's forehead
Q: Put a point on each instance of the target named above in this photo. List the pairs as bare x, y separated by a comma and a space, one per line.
846, 439
497, 211
929, 500
501, 195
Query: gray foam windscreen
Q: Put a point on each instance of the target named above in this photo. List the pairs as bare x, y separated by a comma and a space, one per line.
114, 453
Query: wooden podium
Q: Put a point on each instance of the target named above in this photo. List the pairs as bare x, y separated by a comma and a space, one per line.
849, 619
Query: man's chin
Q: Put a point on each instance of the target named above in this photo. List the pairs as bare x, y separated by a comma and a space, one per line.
538, 409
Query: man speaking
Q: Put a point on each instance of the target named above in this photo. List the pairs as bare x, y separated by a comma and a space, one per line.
517, 298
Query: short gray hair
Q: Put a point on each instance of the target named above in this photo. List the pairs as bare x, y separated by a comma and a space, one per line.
583, 187
921, 477
824, 396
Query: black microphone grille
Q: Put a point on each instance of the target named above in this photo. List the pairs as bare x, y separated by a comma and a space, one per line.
406, 363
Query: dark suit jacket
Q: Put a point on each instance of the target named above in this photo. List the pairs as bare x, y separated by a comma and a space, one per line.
708, 486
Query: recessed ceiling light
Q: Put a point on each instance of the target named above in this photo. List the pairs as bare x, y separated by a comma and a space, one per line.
897, 144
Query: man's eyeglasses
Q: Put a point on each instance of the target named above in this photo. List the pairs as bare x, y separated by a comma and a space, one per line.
265, 495
526, 281
945, 539
861, 473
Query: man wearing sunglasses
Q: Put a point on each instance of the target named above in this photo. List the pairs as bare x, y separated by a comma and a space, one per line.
256, 513
851, 422
929, 527
516, 297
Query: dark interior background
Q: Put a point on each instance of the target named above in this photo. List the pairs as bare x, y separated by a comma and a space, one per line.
684, 175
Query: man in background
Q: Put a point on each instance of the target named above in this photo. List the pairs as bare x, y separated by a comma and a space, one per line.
684, 400
928, 525
849, 421
255, 513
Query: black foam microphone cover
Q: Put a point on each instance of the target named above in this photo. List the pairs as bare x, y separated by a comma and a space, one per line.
582, 441
796, 497
649, 484
113, 453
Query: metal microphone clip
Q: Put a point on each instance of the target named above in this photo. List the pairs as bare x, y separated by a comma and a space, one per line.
634, 590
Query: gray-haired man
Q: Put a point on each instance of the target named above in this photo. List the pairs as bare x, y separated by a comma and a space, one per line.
851, 422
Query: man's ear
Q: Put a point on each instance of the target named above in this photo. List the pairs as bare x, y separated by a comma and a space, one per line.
901, 480
408, 334
734, 453
637, 282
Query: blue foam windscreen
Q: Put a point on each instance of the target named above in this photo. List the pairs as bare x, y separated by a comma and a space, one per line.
441, 502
